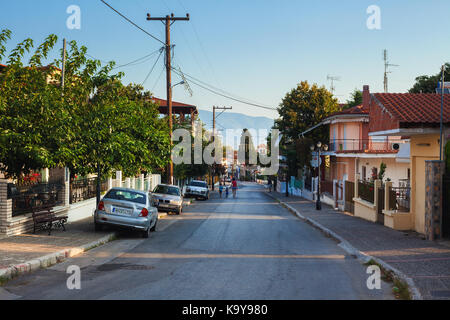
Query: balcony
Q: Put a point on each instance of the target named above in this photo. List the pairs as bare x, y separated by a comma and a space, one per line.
365, 145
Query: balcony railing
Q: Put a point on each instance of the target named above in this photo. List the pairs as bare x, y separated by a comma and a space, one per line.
363, 145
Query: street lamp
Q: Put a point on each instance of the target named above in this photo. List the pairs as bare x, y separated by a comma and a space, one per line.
181, 82
320, 147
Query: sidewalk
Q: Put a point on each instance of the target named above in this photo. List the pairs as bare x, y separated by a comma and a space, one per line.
424, 262
28, 252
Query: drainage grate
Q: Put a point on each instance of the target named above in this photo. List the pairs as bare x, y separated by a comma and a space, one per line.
123, 266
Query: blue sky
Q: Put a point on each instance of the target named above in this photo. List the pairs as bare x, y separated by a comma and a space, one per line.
258, 50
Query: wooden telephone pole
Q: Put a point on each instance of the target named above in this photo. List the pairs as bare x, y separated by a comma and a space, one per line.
214, 133
168, 20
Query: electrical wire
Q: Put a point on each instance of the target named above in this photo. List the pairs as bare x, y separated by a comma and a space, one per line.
153, 67
216, 91
159, 77
138, 61
134, 24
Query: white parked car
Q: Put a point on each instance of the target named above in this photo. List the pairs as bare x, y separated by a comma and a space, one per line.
197, 189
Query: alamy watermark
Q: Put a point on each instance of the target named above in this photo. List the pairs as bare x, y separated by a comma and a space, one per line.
74, 280
374, 20
374, 280
213, 151
74, 20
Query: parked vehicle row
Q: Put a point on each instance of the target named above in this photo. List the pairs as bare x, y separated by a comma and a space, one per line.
138, 210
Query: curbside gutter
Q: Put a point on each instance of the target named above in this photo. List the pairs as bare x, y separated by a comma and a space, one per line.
347, 247
51, 259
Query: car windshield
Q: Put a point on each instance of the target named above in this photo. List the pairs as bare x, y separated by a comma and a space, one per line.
126, 195
198, 184
174, 191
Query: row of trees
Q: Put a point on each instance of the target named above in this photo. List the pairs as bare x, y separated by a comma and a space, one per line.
94, 124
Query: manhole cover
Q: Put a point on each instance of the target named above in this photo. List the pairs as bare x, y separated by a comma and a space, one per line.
123, 266
441, 293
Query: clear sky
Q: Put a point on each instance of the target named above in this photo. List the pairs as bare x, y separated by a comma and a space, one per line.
258, 50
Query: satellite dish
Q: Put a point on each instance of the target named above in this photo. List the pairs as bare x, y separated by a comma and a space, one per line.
395, 146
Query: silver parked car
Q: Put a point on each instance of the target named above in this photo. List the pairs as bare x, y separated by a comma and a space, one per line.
167, 198
127, 208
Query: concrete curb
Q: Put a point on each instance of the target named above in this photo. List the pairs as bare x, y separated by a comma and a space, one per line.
347, 247
51, 259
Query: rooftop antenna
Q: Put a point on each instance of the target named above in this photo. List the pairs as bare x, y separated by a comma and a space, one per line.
333, 79
386, 71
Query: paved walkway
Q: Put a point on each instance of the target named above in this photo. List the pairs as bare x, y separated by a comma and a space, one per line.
427, 263
25, 247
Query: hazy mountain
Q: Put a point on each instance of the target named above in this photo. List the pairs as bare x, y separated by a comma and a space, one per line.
230, 120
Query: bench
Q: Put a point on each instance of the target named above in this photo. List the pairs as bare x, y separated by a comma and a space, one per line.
44, 218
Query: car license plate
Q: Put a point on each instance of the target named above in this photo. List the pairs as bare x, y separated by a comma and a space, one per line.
122, 211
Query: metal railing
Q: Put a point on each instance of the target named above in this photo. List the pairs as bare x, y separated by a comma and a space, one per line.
326, 186
337, 145
84, 189
400, 199
26, 197
366, 190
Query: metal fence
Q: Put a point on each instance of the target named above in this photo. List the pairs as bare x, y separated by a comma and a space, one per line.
25, 197
366, 190
84, 189
399, 199
326, 186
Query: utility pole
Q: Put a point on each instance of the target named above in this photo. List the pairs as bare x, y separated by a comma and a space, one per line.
63, 70
442, 112
386, 67
214, 130
168, 21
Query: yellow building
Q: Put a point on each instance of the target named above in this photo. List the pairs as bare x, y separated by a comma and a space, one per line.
417, 118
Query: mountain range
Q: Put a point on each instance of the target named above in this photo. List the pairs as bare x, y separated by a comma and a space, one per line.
231, 120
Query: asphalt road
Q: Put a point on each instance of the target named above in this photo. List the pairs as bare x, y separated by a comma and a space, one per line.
244, 248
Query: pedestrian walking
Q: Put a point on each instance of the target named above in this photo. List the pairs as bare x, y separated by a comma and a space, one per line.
270, 185
220, 189
234, 187
226, 191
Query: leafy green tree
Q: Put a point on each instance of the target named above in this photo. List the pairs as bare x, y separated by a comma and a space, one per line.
428, 84
93, 124
302, 108
355, 100
32, 112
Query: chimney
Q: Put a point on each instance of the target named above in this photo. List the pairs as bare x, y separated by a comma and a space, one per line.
366, 97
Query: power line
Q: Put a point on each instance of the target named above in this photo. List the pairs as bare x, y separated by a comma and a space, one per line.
225, 92
153, 67
225, 95
159, 77
138, 61
134, 24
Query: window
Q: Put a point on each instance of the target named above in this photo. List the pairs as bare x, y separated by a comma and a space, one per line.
198, 184
126, 196
174, 191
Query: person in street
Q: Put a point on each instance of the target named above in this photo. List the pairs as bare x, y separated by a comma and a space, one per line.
226, 191
269, 184
220, 189
234, 187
